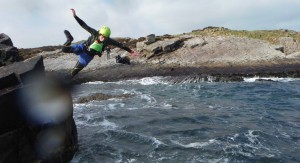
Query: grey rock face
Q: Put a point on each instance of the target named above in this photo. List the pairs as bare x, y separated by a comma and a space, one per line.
159, 47
220, 51
150, 39
290, 45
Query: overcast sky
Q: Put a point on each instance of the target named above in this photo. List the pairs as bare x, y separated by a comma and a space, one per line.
34, 23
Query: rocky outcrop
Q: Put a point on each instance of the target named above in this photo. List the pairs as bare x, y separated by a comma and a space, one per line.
150, 39
219, 51
186, 55
101, 96
160, 47
211, 29
4, 39
8, 53
205, 51
36, 115
289, 45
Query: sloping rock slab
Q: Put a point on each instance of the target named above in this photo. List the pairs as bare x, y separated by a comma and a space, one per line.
28, 70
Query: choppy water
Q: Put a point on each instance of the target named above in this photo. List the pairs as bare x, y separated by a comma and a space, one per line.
200, 122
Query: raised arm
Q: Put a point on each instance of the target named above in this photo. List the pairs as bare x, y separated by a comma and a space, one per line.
83, 24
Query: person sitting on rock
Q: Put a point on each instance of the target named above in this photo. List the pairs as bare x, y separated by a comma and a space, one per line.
94, 45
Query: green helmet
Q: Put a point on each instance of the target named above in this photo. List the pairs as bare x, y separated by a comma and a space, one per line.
105, 31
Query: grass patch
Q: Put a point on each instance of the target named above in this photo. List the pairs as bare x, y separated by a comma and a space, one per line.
271, 36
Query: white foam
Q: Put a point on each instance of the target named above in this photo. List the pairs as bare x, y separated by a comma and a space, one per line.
108, 125
151, 81
234, 137
167, 105
114, 106
247, 154
124, 91
132, 108
84, 107
86, 120
78, 106
148, 98
211, 107
131, 160
285, 135
156, 142
94, 82
250, 80
253, 146
217, 160
211, 79
197, 144
160, 80
145, 81
252, 138
224, 160
115, 99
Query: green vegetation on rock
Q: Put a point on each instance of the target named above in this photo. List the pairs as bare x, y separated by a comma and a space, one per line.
271, 36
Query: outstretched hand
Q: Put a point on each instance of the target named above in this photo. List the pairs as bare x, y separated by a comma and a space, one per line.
73, 12
134, 53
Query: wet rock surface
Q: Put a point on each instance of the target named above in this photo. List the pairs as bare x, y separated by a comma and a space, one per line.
121, 72
100, 97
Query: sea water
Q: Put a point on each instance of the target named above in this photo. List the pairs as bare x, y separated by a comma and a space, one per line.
250, 121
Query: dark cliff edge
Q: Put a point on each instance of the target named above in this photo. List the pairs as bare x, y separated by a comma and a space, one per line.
36, 115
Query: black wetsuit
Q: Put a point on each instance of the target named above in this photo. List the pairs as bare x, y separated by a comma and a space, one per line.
94, 37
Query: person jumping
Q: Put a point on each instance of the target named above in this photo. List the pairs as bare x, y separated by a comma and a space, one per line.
94, 45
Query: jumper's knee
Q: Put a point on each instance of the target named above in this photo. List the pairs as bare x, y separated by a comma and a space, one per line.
67, 49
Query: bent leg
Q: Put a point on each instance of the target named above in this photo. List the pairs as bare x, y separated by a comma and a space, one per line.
78, 67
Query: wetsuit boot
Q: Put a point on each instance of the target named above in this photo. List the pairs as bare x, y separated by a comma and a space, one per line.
69, 38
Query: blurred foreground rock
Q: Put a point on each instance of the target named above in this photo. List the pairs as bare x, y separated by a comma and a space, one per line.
36, 115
